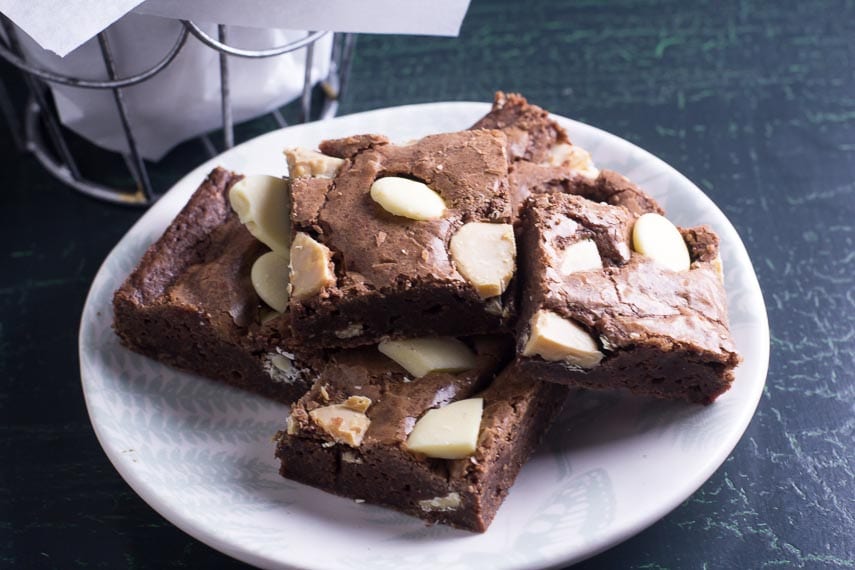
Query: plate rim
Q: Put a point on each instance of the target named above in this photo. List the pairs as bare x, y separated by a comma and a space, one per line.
238, 551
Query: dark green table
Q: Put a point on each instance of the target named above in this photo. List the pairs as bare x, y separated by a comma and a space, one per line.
754, 102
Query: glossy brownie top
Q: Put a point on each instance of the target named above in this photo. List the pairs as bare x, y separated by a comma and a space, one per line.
202, 262
376, 250
397, 399
632, 301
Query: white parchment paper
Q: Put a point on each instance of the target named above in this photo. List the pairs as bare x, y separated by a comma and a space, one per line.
61, 26
429, 17
183, 100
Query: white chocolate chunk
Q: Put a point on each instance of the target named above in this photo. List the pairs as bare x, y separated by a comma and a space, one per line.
407, 198
269, 276
281, 362
555, 338
348, 456
580, 256
718, 266
262, 204
660, 240
448, 502
343, 424
450, 432
310, 163
574, 157
421, 356
357, 403
485, 254
291, 427
350, 331
281, 368
311, 269
322, 391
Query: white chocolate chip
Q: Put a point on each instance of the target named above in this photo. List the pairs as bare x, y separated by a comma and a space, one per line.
450, 432
309, 163
343, 424
325, 395
449, 502
281, 362
421, 356
281, 368
407, 198
263, 206
485, 255
291, 426
580, 256
357, 403
269, 277
718, 267
311, 268
350, 331
574, 157
555, 338
348, 456
657, 238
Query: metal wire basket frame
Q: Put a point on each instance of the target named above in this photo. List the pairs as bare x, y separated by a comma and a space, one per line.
60, 162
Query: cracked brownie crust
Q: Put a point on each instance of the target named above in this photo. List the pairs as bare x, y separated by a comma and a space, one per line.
190, 303
465, 493
533, 137
662, 333
394, 276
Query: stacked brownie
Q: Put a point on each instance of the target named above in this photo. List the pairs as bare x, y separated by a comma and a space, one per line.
190, 302
404, 274
653, 330
379, 467
426, 306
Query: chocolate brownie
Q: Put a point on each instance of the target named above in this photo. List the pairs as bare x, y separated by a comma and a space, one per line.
366, 267
597, 314
379, 468
190, 303
532, 134
544, 160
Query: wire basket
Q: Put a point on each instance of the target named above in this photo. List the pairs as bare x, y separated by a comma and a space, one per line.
38, 130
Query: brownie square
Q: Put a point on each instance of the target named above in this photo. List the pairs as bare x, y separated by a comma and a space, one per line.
393, 276
190, 303
465, 493
649, 329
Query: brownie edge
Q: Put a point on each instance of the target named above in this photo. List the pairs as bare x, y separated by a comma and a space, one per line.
395, 276
659, 332
189, 302
464, 493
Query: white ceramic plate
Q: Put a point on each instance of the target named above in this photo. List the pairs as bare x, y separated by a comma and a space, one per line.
201, 453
